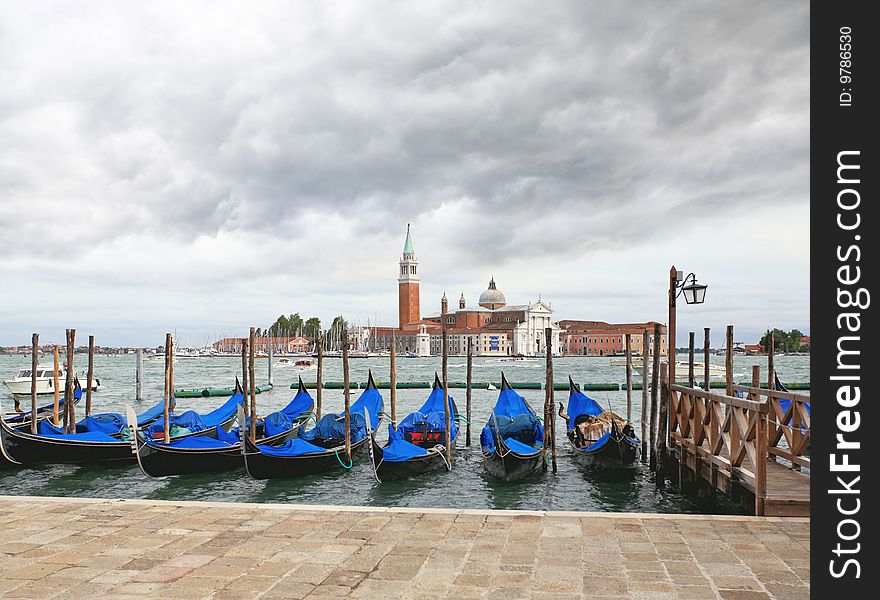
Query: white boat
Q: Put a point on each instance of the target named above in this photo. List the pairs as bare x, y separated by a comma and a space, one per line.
681, 366
158, 358
508, 359
20, 385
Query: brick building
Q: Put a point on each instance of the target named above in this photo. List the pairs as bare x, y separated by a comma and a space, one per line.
598, 338
279, 345
494, 327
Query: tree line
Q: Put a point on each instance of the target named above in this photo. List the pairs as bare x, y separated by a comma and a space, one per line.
294, 326
786, 341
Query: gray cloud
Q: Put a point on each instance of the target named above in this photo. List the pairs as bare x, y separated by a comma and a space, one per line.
189, 145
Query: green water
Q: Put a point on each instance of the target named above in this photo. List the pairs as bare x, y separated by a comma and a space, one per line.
466, 486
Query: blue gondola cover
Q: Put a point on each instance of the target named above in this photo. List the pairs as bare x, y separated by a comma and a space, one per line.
371, 400
431, 414
194, 422
300, 404
520, 448
193, 442
107, 423
275, 423
516, 420
581, 404
151, 414
292, 447
332, 427
398, 449
88, 436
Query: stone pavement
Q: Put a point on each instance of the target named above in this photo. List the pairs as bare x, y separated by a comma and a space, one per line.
89, 548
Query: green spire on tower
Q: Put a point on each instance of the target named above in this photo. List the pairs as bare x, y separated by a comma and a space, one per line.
408, 245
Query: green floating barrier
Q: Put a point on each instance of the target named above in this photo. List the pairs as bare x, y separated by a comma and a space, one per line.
212, 392
414, 385
601, 387
478, 385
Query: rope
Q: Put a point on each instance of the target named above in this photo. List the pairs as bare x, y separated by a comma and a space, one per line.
350, 462
442, 450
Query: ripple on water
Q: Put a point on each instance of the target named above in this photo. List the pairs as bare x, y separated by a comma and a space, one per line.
467, 486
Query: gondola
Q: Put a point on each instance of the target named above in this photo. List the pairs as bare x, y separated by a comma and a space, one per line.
785, 403
113, 424
19, 446
219, 450
193, 424
600, 438
23, 419
320, 449
512, 442
416, 446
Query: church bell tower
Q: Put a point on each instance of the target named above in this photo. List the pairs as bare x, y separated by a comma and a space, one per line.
408, 284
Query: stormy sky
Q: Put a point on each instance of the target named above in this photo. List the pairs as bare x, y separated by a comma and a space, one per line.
202, 167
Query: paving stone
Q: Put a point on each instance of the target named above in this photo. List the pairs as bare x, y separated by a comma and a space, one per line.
72, 548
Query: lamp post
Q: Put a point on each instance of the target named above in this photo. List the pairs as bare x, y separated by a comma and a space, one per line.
694, 293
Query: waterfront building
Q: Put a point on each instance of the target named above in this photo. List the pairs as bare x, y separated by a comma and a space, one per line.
598, 338
279, 345
496, 328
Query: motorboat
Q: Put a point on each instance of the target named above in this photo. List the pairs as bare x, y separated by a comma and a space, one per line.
681, 366
157, 358
20, 385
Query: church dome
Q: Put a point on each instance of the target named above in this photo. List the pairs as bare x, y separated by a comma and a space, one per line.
492, 298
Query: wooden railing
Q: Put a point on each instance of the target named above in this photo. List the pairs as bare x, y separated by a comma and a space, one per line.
788, 424
729, 432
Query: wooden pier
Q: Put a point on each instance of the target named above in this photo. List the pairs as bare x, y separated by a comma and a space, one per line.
753, 449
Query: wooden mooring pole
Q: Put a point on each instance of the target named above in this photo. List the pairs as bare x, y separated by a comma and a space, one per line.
252, 388
446, 411
393, 380
90, 376
771, 370
470, 369
35, 350
550, 422
171, 399
346, 393
706, 374
662, 422
728, 362
319, 346
166, 396
760, 447
271, 355
691, 378
629, 378
646, 353
69, 404
55, 386
655, 390
139, 374
244, 380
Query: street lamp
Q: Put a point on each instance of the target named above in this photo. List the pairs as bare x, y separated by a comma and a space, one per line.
694, 293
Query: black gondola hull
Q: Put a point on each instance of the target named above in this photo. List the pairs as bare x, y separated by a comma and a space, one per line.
419, 465
511, 466
264, 466
612, 455
163, 461
27, 449
160, 461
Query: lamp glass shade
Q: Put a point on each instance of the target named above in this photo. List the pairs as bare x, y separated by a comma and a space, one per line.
694, 293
